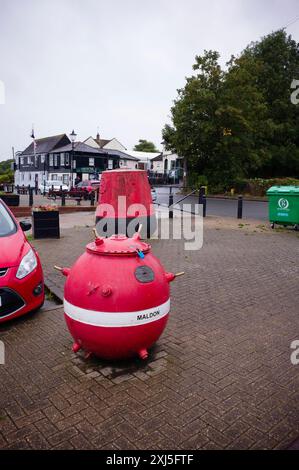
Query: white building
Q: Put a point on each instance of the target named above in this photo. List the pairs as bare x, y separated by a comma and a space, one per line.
126, 161
166, 162
144, 158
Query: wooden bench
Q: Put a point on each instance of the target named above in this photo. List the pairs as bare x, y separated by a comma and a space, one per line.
75, 195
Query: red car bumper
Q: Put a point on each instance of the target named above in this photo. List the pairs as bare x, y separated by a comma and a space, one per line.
20, 296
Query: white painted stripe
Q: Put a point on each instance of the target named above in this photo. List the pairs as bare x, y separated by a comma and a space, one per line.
117, 319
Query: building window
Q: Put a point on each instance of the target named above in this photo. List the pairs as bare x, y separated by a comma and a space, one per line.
91, 161
62, 159
65, 179
54, 177
51, 161
43, 158
67, 159
22, 161
56, 164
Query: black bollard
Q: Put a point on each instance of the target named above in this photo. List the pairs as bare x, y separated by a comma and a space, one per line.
240, 207
30, 190
202, 192
204, 206
63, 198
92, 198
170, 205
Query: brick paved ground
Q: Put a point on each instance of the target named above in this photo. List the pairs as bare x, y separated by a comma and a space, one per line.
220, 376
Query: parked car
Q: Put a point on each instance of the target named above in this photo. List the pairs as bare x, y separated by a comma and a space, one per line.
47, 186
175, 174
21, 275
87, 186
154, 194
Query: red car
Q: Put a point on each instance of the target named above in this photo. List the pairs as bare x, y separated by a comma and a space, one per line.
87, 186
21, 275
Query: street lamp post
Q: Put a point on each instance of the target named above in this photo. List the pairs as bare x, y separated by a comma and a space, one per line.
44, 175
73, 136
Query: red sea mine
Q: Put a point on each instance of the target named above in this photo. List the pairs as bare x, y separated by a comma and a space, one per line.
117, 298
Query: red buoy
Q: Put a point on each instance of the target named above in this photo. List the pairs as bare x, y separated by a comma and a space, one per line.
116, 298
125, 202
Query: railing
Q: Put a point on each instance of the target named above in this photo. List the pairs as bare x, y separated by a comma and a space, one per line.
7, 187
202, 200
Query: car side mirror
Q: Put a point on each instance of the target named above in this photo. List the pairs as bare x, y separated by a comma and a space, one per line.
25, 226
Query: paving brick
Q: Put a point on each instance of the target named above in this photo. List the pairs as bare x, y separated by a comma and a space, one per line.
219, 377
62, 436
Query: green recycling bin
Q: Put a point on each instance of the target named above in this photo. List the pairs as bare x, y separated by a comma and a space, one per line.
284, 205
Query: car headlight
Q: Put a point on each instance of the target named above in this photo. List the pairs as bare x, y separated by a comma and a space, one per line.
27, 265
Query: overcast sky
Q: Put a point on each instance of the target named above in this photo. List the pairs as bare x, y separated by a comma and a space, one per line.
115, 64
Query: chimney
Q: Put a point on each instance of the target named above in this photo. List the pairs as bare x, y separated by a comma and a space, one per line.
98, 135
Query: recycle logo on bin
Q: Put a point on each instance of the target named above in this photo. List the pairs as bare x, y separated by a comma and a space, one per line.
283, 203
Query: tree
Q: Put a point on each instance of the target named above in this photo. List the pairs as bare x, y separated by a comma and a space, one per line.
278, 57
243, 110
5, 166
6, 174
145, 146
239, 122
194, 132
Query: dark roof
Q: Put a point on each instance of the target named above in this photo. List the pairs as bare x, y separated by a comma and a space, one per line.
120, 154
46, 144
158, 158
102, 142
78, 147
84, 148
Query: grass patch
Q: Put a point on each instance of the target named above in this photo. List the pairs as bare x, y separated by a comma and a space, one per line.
49, 295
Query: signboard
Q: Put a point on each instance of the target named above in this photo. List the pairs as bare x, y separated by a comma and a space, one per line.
85, 170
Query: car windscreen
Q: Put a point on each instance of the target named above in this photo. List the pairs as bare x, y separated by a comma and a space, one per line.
7, 224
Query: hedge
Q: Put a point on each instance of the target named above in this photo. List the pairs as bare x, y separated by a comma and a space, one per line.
251, 186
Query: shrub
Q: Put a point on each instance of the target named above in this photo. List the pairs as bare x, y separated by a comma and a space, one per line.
195, 181
259, 186
6, 178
